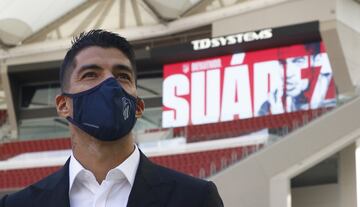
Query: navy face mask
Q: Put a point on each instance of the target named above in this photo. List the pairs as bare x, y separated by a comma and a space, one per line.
106, 111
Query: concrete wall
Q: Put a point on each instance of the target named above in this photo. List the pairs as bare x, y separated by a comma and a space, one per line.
287, 13
316, 196
336, 51
251, 182
347, 177
340, 194
350, 43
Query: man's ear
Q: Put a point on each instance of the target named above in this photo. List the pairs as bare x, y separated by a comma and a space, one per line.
140, 107
62, 106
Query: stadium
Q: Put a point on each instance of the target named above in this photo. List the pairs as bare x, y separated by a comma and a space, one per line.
260, 97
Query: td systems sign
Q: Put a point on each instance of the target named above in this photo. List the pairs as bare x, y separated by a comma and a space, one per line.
246, 85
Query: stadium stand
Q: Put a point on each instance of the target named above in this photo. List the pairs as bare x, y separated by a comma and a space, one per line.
199, 164
279, 123
10, 149
19, 178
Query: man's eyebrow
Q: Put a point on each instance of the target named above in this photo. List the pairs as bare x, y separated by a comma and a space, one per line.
117, 67
89, 66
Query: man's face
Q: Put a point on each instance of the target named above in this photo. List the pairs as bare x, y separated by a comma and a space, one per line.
92, 66
95, 64
294, 83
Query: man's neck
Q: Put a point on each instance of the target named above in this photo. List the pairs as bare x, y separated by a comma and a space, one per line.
101, 156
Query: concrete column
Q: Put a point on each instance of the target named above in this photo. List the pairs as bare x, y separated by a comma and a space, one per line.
280, 194
9, 101
357, 171
347, 176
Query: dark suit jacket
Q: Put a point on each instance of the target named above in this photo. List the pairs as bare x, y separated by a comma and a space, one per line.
153, 186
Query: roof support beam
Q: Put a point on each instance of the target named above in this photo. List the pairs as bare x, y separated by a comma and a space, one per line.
136, 13
58, 33
154, 12
148, 10
221, 3
201, 5
106, 8
89, 18
122, 13
41, 34
238, 1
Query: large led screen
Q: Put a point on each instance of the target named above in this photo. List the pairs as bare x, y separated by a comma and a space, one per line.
246, 85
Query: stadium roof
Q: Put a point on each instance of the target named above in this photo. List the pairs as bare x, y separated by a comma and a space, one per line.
25, 22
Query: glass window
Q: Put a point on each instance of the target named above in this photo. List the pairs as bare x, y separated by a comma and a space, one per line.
149, 87
151, 119
39, 128
39, 96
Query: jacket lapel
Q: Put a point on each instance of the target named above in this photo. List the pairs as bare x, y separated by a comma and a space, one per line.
150, 188
54, 191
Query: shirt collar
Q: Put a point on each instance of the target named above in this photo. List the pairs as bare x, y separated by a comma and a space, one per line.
128, 168
74, 169
130, 165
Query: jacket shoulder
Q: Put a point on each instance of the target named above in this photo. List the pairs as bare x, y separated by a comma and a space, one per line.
181, 178
34, 193
20, 198
193, 189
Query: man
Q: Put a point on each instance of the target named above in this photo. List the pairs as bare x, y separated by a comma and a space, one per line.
99, 99
298, 88
295, 93
295, 85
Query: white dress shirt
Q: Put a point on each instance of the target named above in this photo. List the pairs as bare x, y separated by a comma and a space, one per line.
85, 191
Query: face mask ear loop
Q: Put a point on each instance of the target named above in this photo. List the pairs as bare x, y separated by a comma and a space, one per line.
71, 120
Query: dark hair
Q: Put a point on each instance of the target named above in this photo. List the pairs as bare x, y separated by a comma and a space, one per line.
313, 48
100, 38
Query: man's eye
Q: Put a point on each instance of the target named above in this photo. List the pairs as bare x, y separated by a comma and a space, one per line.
123, 76
89, 75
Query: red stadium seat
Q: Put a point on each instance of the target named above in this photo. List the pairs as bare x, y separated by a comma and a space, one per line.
14, 148
200, 164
